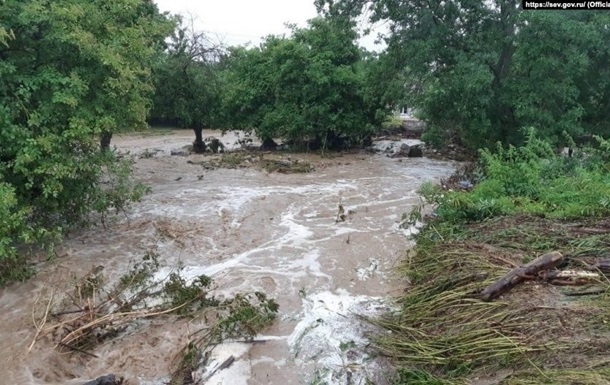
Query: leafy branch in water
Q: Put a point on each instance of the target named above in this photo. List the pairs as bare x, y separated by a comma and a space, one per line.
95, 312
241, 317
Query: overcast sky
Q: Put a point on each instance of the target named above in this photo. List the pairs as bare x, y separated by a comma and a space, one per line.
242, 21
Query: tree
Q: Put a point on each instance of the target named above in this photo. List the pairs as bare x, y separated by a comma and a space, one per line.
188, 82
70, 70
561, 73
480, 71
308, 86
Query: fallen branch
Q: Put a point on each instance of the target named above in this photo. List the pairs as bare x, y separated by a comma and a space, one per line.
592, 230
570, 277
602, 265
39, 327
516, 276
340, 214
79, 350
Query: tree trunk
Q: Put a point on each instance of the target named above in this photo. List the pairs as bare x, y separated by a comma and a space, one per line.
105, 140
198, 144
506, 115
268, 145
516, 276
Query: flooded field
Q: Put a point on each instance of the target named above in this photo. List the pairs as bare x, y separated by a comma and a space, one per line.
249, 230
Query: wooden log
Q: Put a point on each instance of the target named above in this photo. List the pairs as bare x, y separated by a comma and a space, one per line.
571, 277
516, 276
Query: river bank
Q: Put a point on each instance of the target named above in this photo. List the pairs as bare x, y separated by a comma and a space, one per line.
488, 222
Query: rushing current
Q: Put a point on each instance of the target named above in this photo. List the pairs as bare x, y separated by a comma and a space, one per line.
249, 230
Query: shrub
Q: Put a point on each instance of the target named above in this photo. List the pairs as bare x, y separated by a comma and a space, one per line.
531, 179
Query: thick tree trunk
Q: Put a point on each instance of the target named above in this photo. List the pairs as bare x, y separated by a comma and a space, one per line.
516, 276
268, 145
105, 140
198, 144
501, 70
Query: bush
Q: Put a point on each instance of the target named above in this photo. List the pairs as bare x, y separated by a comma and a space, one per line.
12, 226
69, 74
531, 179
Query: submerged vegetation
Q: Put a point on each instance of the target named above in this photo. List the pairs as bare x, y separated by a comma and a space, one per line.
513, 206
96, 311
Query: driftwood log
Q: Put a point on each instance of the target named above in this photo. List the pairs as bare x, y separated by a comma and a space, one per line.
514, 277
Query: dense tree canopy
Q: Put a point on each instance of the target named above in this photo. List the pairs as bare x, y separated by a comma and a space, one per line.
70, 70
187, 79
312, 85
480, 71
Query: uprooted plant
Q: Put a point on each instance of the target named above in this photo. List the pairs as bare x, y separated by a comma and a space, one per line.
241, 317
96, 311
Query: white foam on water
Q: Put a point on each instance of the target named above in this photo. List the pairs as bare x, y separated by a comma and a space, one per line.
236, 373
412, 230
307, 264
392, 146
297, 235
365, 273
195, 203
331, 335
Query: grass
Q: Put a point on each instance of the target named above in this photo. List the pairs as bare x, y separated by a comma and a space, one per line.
537, 333
240, 159
444, 330
285, 167
157, 131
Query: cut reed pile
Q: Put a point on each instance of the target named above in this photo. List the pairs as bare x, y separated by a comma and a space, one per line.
441, 333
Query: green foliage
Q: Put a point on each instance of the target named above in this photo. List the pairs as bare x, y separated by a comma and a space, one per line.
392, 123
193, 293
141, 272
188, 81
12, 226
309, 86
530, 179
70, 70
478, 71
246, 314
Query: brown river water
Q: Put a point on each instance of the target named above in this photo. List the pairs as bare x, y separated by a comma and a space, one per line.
249, 230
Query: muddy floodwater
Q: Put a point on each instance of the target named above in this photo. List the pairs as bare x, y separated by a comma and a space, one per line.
248, 230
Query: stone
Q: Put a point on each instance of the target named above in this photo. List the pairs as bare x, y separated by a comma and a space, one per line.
109, 379
403, 151
415, 152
